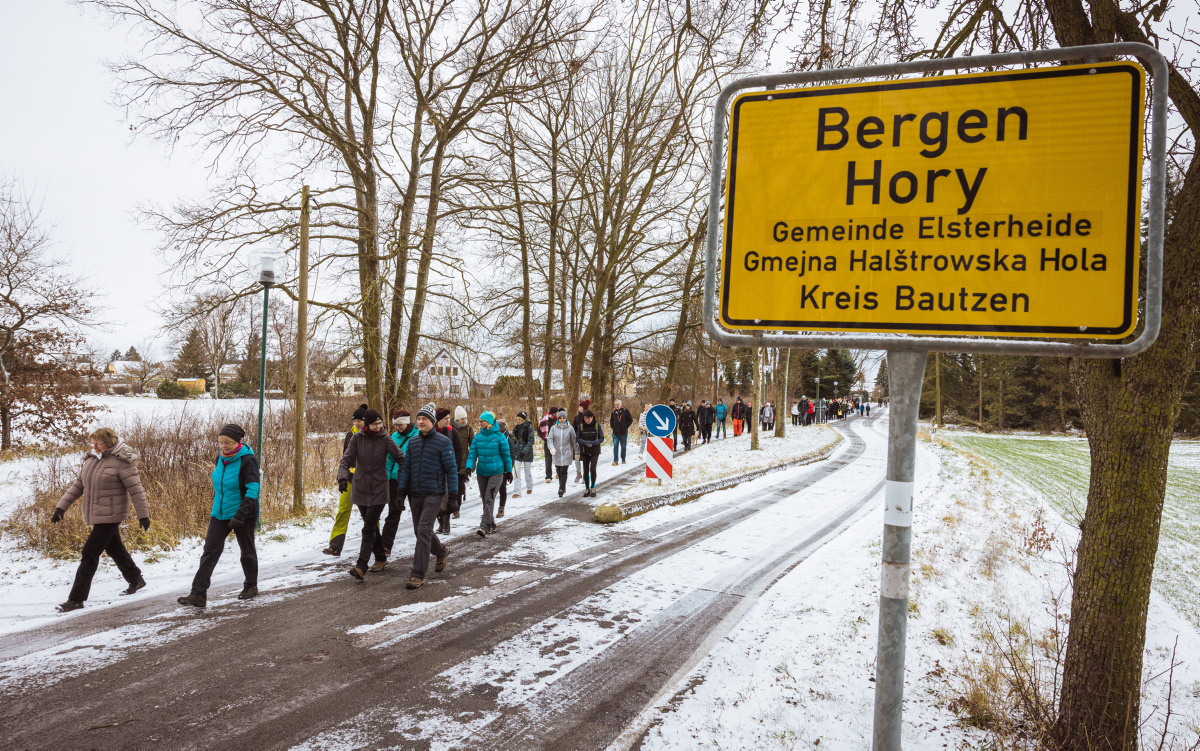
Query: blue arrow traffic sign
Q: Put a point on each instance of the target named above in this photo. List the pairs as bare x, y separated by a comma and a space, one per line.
660, 421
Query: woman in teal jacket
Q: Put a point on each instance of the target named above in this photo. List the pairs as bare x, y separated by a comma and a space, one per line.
721, 412
491, 460
235, 507
403, 433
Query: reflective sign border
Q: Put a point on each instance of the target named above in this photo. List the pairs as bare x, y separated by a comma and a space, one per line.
1152, 306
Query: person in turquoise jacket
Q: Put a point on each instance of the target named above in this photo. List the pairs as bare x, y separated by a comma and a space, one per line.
235, 507
491, 460
722, 410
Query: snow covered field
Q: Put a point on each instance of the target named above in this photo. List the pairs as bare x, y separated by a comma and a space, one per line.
797, 671
1059, 469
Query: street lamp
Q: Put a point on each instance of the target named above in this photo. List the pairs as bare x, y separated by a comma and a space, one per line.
266, 277
820, 412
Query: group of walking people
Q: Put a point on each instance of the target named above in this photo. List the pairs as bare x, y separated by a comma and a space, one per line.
423, 463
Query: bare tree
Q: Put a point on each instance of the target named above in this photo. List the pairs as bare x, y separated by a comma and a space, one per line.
42, 307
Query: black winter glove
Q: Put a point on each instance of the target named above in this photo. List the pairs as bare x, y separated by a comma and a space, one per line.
342, 485
57, 516
145, 522
508, 478
235, 523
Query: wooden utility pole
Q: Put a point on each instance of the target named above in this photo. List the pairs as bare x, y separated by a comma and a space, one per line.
301, 358
937, 387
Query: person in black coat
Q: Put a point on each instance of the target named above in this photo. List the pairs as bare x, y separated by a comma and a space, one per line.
705, 416
620, 422
687, 425
368, 452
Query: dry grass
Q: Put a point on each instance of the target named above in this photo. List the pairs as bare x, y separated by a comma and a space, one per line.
176, 461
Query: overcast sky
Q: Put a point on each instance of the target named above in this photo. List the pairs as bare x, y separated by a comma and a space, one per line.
71, 147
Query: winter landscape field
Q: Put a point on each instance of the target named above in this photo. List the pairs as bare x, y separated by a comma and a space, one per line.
781, 576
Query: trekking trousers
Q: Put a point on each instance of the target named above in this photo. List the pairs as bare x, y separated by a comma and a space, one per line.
214, 544
424, 514
737, 427
619, 440
341, 522
517, 468
489, 487
104, 538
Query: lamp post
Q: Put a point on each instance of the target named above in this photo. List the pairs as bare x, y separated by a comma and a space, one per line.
266, 277
820, 410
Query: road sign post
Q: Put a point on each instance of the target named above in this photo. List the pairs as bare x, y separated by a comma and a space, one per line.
659, 458
660, 423
925, 214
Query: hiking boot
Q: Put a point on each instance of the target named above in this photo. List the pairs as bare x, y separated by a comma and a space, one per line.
441, 560
455, 514
548, 481
134, 586
493, 530
560, 493
196, 601
530, 492
357, 573
387, 553
614, 464
500, 514
248, 593
481, 532
331, 551
69, 605
378, 566
622, 461
414, 583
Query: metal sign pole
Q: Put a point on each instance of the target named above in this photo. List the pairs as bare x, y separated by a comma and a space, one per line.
906, 373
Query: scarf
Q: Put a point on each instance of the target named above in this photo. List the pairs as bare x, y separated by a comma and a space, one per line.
231, 454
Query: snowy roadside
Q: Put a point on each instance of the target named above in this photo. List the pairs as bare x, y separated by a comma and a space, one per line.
289, 555
728, 457
798, 670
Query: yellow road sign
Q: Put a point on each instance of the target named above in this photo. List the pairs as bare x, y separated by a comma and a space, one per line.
987, 204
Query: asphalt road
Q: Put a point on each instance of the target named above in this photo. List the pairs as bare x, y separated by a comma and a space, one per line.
511, 647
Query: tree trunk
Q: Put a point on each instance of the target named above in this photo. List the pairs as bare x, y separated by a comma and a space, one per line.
755, 392
404, 387
937, 387
5, 428
781, 394
1129, 408
681, 326
403, 233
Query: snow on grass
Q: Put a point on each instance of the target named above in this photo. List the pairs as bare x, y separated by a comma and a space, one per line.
728, 457
797, 671
1057, 470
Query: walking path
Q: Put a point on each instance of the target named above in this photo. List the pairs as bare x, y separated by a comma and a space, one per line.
554, 633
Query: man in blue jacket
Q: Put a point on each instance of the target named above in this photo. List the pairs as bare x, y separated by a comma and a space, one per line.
429, 474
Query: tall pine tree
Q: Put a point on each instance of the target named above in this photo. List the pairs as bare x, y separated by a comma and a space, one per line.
190, 363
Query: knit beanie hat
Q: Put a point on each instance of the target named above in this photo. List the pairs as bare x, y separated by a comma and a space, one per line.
372, 416
522, 415
443, 412
429, 410
360, 412
562, 413
401, 417
487, 417
233, 431
460, 413
585, 403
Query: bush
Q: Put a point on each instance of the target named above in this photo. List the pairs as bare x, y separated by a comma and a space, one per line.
175, 463
172, 390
